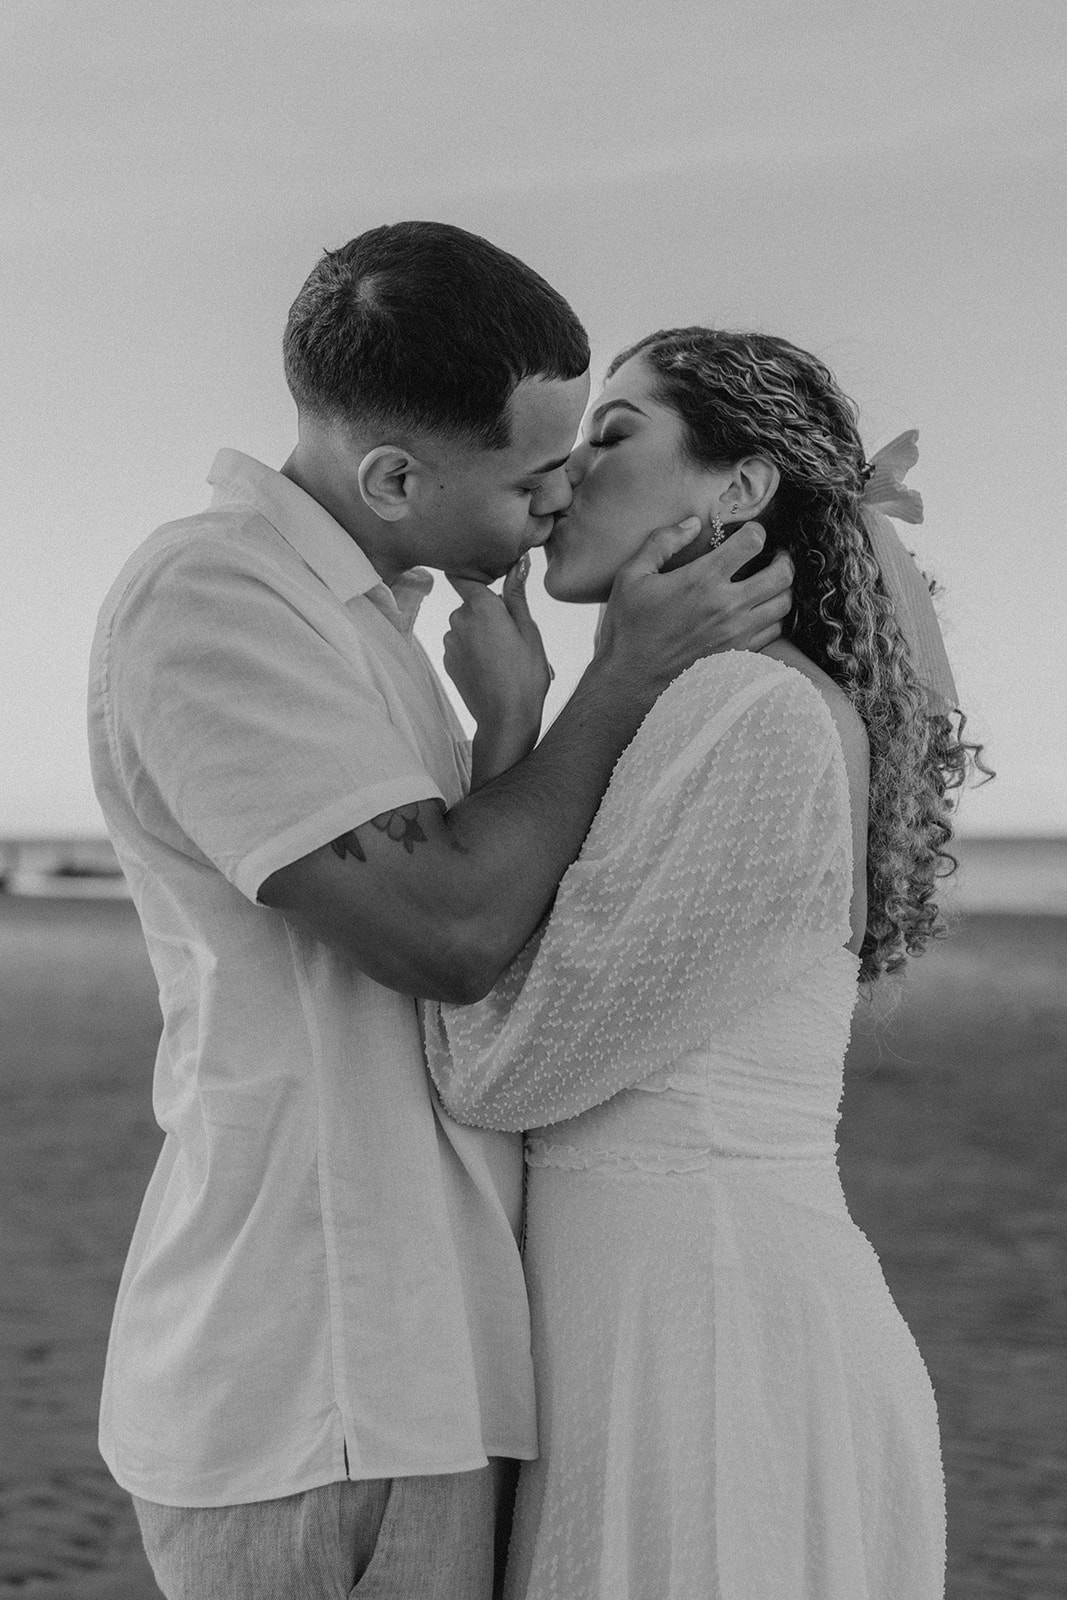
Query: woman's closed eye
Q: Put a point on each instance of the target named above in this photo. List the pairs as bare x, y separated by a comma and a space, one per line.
606, 440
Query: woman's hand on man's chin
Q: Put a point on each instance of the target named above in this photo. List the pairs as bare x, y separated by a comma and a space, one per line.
494, 655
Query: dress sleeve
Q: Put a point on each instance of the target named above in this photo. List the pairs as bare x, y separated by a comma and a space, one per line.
718, 868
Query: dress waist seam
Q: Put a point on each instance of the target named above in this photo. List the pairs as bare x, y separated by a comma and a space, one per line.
539, 1153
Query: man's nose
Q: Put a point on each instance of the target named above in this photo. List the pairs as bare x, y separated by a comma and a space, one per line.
576, 465
557, 495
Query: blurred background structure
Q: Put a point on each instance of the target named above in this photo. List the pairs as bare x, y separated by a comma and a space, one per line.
882, 185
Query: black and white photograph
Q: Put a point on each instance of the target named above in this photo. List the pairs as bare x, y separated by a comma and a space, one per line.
533, 828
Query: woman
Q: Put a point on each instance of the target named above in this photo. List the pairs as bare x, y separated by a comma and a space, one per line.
730, 1404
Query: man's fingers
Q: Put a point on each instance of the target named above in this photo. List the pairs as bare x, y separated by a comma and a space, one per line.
661, 545
776, 578
774, 582
778, 606
744, 543
765, 637
769, 612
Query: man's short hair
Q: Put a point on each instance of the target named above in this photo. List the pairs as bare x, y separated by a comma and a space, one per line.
421, 325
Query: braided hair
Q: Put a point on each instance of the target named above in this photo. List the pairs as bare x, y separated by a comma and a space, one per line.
741, 394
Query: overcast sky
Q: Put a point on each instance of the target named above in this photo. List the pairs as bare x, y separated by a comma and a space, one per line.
884, 185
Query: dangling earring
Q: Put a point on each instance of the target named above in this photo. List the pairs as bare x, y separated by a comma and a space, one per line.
718, 533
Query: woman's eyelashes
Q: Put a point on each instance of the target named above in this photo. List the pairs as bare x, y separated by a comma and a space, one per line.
606, 441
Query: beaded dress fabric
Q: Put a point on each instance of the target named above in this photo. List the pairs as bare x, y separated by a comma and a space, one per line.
730, 1405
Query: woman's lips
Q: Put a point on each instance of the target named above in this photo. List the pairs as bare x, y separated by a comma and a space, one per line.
552, 543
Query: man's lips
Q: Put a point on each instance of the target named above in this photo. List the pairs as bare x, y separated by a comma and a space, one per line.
539, 543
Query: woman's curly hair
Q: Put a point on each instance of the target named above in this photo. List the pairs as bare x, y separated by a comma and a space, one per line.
742, 394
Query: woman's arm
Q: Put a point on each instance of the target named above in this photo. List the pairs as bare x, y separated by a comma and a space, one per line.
494, 655
717, 870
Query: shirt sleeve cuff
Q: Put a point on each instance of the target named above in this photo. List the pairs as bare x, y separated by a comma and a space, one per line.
312, 832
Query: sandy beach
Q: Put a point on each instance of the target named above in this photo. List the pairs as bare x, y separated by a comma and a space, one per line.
954, 1149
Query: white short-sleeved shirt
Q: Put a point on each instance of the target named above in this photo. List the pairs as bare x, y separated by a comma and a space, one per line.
325, 1279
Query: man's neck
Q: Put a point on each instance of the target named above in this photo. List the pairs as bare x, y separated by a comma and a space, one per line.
349, 511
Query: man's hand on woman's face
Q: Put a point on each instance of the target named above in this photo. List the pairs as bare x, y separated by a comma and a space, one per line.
659, 622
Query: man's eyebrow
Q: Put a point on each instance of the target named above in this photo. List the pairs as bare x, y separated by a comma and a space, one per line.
611, 405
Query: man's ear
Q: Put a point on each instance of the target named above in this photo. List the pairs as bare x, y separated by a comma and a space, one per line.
387, 481
752, 486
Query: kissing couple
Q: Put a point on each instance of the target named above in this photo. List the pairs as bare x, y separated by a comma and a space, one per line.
354, 1352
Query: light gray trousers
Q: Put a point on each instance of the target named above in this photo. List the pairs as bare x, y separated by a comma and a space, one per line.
437, 1538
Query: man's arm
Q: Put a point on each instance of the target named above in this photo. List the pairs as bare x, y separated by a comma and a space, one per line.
437, 903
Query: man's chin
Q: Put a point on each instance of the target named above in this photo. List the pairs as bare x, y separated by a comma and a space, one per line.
557, 587
473, 574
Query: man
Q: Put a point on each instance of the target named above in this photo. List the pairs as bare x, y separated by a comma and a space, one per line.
321, 1334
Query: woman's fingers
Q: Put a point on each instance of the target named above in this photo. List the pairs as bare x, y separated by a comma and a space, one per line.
466, 588
514, 597
513, 593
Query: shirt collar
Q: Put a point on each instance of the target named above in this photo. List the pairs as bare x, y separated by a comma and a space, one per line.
316, 537
405, 596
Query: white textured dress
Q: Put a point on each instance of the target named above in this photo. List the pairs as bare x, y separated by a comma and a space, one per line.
730, 1405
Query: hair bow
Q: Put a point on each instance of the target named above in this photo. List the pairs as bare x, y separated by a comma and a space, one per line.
886, 495
886, 488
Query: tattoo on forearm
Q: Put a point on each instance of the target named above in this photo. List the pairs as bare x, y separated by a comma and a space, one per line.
401, 825
348, 845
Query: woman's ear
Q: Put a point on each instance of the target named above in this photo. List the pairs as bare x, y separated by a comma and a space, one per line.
387, 481
753, 484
